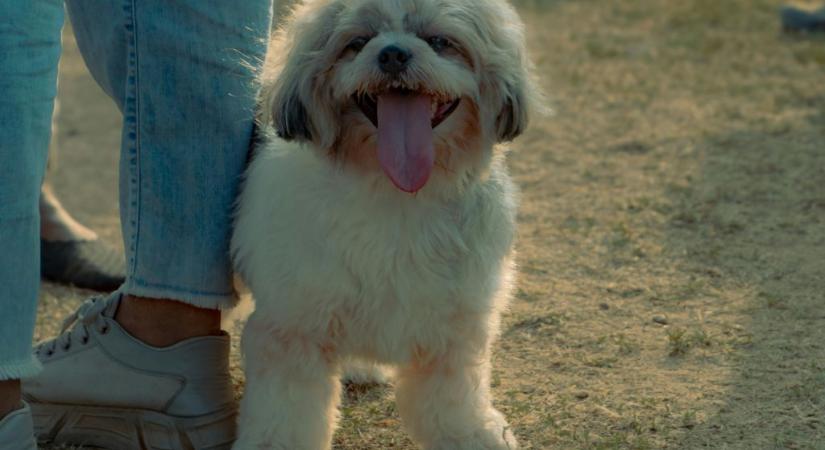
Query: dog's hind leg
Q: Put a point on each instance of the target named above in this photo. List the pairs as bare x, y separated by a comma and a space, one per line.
445, 404
292, 391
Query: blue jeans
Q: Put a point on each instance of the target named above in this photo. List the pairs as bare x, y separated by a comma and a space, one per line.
183, 74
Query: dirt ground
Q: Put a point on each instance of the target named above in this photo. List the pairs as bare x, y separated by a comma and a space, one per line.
671, 240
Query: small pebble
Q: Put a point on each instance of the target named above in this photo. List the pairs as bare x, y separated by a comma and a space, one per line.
581, 395
661, 320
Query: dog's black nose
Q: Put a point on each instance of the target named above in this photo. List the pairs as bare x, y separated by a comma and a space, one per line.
393, 59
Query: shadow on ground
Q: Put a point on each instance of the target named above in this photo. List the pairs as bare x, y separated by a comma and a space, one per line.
751, 227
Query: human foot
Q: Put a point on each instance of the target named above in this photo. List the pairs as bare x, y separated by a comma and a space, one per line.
102, 386
796, 19
71, 253
56, 224
85, 264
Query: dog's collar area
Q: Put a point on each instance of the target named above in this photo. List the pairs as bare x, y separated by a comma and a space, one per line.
368, 105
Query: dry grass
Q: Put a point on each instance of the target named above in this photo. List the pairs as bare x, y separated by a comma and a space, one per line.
682, 179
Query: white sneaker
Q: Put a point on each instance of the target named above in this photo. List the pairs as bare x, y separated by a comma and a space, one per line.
101, 387
16, 430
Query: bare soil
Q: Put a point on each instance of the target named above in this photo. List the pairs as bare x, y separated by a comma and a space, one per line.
671, 240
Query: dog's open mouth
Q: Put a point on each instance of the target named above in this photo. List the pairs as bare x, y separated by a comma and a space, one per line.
441, 110
405, 121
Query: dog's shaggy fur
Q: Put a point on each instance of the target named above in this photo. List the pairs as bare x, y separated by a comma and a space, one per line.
342, 264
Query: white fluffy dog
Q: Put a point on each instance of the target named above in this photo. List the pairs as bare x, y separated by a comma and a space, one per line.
373, 100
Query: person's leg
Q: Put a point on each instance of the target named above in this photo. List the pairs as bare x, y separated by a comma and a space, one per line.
188, 103
29, 53
183, 74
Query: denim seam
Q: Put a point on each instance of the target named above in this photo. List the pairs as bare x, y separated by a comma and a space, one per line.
132, 139
144, 283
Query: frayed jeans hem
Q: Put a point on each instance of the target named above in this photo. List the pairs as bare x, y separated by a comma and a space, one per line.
204, 300
18, 370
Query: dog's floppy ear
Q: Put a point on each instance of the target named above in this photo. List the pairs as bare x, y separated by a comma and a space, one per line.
281, 105
293, 87
289, 115
514, 116
511, 91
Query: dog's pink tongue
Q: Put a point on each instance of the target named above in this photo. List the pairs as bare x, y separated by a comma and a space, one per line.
405, 139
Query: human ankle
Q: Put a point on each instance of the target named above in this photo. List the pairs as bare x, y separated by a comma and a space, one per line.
10, 397
165, 322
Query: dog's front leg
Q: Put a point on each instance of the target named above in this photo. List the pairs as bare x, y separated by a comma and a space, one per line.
292, 391
445, 405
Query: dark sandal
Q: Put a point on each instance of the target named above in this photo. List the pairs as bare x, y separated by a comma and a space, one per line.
85, 264
796, 20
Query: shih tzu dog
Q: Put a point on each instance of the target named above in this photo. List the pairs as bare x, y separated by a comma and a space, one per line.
378, 224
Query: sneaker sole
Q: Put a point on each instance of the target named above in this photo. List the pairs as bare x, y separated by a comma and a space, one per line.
131, 429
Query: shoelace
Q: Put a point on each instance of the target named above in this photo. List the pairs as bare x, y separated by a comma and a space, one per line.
89, 314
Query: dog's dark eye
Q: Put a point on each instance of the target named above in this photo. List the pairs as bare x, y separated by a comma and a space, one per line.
358, 43
438, 43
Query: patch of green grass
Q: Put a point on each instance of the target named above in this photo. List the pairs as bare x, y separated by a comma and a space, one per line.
699, 14
701, 338
735, 336
600, 49
613, 440
620, 237
694, 287
681, 340
537, 325
772, 300
677, 342
811, 54
689, 419
602, 362
577, 225
626, 345
639, 204
810, 389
